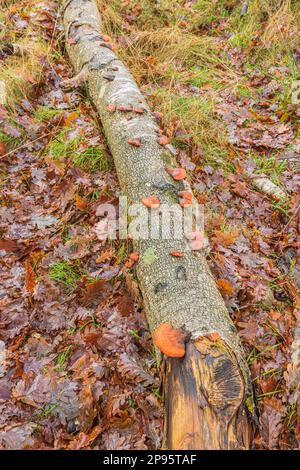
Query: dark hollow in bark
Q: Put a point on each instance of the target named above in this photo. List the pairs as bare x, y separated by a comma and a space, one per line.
215, 384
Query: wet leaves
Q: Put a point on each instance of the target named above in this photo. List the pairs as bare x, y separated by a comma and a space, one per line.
132, 371
30, 277
72, 334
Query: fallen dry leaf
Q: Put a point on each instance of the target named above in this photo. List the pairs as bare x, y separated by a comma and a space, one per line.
70, 118
30, 277
225, 286
81, 204
224, 238
133, 258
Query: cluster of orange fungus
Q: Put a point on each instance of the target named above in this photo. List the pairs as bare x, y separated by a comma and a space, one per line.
169, 340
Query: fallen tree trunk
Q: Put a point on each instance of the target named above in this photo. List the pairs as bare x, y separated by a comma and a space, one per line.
208, 393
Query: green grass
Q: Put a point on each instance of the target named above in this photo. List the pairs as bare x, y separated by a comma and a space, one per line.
72, 330
66, 273
196, 116
121, 252
270, 165
174, 46
255, 354
291, 416
94, 195
61, 146
45, 113
134, 334
62, 359
47, 410
91, 160
9, 141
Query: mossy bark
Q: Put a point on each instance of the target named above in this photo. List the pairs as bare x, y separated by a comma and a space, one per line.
181, 290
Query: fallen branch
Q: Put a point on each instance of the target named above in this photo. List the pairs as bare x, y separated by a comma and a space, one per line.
266, 186
208, 392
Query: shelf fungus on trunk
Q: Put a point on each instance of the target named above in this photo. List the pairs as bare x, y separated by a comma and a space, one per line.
207, 387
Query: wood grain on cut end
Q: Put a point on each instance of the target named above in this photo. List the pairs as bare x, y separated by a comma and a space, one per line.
205, 400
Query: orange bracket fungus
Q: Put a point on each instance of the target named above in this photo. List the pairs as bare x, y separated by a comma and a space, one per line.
135, 142
176, 254
152, 202
176, 173
163, 140
186, 198
196, 240
170, 341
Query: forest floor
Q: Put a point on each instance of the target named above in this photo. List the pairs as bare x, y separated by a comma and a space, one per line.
77, 366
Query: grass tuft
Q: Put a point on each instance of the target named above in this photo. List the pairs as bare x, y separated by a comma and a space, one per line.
92, 160
44, 113
67, 274
63, 144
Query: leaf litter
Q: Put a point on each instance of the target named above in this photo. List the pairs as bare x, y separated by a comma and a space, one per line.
76, 360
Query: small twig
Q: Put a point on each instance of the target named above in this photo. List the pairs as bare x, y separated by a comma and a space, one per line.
54, 131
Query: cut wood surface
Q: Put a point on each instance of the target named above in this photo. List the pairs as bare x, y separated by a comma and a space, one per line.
208, 393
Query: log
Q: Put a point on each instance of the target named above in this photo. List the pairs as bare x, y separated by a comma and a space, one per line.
208, 393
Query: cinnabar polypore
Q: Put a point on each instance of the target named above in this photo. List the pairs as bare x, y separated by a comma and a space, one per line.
176, 173
163, 140
170, 341
186, 198
152, 202
196, 240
